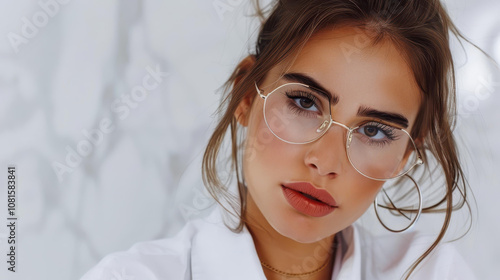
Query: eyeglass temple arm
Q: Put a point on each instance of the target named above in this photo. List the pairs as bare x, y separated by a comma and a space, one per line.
258, 91
420, 160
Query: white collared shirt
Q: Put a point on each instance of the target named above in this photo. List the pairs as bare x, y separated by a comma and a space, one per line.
205, 249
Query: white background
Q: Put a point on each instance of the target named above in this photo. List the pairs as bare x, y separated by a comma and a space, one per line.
142, 180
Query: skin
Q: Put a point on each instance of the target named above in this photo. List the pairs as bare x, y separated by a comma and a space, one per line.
376, 76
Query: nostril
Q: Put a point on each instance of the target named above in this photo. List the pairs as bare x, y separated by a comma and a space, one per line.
331, 175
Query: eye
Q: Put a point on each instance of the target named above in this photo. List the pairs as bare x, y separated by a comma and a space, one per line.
376, 131
304, 100
372, 132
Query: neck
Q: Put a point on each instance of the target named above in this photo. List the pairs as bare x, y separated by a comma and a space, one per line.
285, 254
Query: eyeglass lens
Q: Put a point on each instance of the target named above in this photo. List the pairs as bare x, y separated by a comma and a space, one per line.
297, 114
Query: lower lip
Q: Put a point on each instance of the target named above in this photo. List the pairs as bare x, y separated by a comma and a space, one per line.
306, 205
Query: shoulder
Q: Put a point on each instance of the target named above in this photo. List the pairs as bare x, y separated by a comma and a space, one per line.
203, 249
167, 258
393, 254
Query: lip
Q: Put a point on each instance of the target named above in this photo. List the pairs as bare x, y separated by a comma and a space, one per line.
307, 199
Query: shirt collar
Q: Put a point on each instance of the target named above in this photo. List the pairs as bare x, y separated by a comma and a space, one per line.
218, 253
350, 268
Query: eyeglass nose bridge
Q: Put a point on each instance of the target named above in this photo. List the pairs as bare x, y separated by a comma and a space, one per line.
325, 126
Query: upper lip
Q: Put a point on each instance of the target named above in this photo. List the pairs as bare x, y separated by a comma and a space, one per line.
308, 188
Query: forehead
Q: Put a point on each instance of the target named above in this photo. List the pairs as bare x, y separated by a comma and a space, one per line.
346, 62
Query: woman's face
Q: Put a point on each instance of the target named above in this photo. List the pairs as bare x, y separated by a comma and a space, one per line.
359, 74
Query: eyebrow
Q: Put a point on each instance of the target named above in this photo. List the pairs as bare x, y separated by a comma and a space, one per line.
312, 83
396, 118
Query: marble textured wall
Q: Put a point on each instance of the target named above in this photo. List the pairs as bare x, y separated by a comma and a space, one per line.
106, 107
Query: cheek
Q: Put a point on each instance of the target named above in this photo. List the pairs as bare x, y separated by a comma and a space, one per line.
264, 152
262, 147
359, 195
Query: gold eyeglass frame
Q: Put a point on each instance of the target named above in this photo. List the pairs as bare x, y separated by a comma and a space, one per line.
419, 159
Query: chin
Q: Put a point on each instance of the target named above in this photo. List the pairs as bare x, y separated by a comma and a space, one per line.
300, 228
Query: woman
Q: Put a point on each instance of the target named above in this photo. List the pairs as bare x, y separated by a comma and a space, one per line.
338, 98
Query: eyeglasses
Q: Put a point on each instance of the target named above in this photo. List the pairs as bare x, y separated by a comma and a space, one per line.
298, 114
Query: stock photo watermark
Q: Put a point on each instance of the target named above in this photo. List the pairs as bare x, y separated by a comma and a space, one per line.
483, 91
317, 259
223, 6
361, 40
31, 26
94, 137
258, 144
200, 202
12, 218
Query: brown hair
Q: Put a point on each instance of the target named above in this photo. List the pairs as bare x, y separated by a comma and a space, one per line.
419, 28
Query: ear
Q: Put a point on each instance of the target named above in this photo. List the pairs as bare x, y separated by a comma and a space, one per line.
242, 112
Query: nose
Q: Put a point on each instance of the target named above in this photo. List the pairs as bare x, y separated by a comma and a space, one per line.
326, 156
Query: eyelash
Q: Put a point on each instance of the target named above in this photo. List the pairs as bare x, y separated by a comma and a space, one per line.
387, 130
302, 94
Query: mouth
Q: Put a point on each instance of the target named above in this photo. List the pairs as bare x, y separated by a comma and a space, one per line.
311, 192
310, 197
307, 199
